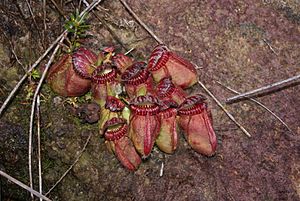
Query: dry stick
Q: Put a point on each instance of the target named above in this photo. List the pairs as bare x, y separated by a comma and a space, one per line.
129, 51
271, 48
58, 9
19, 62
266, 89
73, 164
90, 7
34, 21
13, 51
12, 93
106, 26
44, 19
10, 178
141, 22
224, 109
39, 144
201, 84
36, 93
260, 104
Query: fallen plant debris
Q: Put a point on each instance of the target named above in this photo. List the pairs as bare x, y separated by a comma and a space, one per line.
139, 103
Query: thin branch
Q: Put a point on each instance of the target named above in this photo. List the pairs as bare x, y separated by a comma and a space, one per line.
44, 14
201, 84
73, 164
44, 19
271, 48
103, 22
33, 107
39, 144
129, 51
260, 104
13, 51
266, 89
161, 172
90, 7
12, 93
33, 18
224, 109
19, 62
10, 178
141, 22
58, 9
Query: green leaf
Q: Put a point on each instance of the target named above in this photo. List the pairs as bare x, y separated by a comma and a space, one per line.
35, 74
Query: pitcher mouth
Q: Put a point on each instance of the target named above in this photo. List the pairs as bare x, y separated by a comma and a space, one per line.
158, 58
83, 60
114, 104
193, 105
135, 74
145, 105
104, 73
165, 87
115, 129
168, 109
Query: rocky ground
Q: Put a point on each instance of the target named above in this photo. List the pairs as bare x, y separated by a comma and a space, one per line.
242, 45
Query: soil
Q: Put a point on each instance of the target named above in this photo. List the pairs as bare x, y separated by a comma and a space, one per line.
243, 45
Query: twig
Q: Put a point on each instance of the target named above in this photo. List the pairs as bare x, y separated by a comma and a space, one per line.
58, 9
266, 89
33, 107
39, 144
141, 22
103, 22
33, 18
224, 109
260, 104
201, 84
271, 48
44, 19
10, 178
12, 93
90, 7
13, 51
73, 164
129, 51
161, 172
19, 62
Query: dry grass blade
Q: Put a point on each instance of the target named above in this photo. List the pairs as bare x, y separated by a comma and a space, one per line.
260, 104
73, 164
266, 89
10, 178
33, 107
